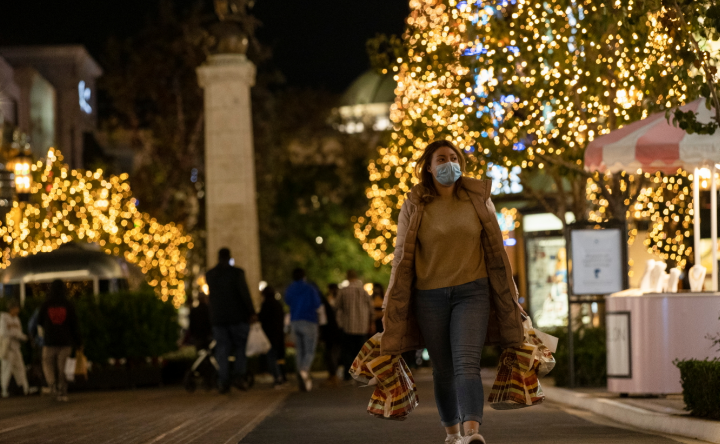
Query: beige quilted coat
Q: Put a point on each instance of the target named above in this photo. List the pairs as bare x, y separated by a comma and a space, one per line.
401, 329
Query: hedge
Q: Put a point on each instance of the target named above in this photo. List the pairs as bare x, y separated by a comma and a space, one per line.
590, 357
129, 325
701, 387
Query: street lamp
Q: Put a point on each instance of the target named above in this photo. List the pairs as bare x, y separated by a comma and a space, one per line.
23, 178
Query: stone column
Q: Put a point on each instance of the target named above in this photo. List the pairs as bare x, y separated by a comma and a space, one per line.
232, 219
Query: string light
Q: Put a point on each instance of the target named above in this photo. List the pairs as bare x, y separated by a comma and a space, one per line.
666, 202
75, 205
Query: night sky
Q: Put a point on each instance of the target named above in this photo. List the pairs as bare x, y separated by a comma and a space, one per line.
315, 43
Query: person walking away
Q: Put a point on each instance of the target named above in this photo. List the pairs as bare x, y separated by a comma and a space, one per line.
330, 334
59, 322
450, 267
200, 328
304, 302
378, 297
272, 319
11, 336
355, 318
231, 313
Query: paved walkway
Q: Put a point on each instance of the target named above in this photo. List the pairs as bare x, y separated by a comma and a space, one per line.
338, 416
267, 416
167, 415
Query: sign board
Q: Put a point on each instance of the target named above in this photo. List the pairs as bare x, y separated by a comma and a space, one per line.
619, 350
597, 261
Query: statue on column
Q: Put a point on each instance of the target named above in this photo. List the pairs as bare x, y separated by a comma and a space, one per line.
235, 25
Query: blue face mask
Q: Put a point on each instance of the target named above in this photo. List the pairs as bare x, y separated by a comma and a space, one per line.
448, 173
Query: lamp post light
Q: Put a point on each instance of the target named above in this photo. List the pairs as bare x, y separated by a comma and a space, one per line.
21, 165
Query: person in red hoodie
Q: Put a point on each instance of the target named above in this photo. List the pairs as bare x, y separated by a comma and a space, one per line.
60, 326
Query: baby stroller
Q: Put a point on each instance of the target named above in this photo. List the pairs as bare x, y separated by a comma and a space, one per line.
204, 370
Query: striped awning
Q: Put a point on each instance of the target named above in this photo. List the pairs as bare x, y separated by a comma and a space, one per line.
653, 144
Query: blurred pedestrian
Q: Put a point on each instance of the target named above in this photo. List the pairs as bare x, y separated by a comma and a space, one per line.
11, 337
330, 334
61, 333
33, 331
451, 285
378, 297
272, 319
304, 302
200, 328
231, 313
355, 318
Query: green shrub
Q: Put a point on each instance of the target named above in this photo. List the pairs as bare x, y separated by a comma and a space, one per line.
590, 357
131, 325
701, 387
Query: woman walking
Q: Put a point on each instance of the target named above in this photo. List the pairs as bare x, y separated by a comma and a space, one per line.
11, 338
59, 322
451, 288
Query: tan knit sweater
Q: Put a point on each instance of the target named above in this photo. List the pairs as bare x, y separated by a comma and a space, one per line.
449, 247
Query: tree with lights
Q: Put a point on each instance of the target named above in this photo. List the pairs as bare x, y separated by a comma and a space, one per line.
525, 84
433, 91
568, 72
696, 27
596, 67
73, 205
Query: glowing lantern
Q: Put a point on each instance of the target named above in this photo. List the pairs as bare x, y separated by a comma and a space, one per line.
21, 165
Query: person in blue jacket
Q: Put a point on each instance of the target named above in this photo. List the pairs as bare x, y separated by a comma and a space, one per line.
304, 302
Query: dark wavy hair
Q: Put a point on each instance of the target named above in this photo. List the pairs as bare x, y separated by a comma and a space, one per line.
423, 173
58, 292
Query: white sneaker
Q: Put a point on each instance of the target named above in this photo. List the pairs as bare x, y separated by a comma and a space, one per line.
307, 380
453, 440
473, 437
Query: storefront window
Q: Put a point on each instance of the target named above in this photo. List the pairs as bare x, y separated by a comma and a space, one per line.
547, 281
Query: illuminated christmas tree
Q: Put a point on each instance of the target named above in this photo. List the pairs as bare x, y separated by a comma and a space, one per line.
581, 69
525, 84
74, 205
434, 98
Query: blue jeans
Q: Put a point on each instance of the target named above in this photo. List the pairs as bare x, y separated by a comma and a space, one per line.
453, 322
306, 337
231, 339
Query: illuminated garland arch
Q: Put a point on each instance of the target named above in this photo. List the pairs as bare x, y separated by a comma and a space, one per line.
67, 205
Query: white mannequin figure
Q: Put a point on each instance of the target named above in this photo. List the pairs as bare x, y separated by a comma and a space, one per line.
673, 280
696, 275
656, 277
645, 282
664, 282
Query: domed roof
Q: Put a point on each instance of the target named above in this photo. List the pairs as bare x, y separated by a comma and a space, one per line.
371, 87
70, 258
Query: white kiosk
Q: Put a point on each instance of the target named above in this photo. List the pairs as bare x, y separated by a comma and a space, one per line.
649, 328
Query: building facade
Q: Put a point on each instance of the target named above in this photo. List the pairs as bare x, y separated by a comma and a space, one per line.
55, 99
